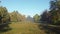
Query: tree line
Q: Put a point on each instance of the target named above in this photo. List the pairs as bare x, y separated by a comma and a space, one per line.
6, 17
51, 16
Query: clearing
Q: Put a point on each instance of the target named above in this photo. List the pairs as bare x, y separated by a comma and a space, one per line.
24, 28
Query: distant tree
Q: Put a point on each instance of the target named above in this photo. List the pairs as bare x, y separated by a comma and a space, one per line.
29, 18
23, 18
13, 16
36, 18
16, 16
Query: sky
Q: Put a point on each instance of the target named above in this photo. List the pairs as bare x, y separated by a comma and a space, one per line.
26, 7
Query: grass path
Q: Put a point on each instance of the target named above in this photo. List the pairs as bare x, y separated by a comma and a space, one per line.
24, 28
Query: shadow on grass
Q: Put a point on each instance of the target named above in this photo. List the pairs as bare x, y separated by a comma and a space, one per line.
5, 29
49, 30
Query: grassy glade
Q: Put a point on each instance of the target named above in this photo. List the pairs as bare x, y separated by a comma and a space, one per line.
24, 28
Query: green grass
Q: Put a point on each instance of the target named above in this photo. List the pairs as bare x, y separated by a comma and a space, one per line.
24, 28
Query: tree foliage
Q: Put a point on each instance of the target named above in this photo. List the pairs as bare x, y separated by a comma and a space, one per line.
55, 12
52, 16
36, 18
15, 16
4, 17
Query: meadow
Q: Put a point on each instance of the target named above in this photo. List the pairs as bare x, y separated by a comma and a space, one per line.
24, 28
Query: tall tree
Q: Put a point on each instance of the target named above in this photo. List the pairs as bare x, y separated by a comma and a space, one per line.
55, 4
4, 17
55, 11
44, 17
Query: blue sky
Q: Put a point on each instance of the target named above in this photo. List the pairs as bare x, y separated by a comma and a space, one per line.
26, 7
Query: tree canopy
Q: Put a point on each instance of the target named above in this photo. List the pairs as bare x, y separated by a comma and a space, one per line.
52, 16
4, 18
